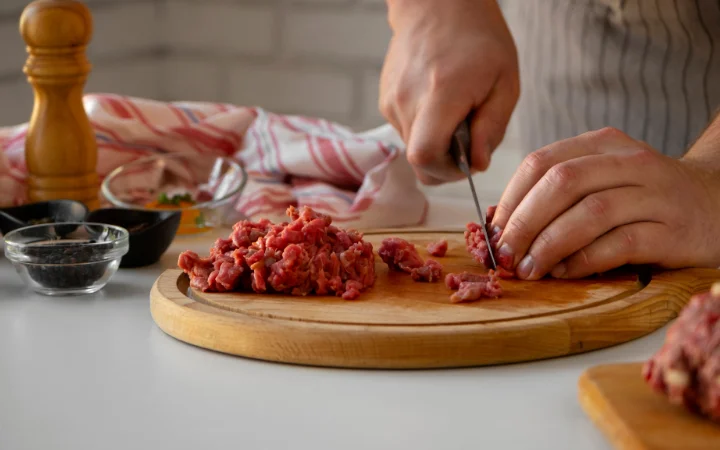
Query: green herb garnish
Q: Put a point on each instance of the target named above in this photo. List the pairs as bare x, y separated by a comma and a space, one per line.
200, 220
176, 199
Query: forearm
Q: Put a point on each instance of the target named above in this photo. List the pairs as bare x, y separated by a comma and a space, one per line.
706, 150
403, 9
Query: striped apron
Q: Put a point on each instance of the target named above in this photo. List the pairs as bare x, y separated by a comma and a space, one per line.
650, 68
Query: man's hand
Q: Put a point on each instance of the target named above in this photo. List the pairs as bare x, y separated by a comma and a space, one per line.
601, 200
446, 60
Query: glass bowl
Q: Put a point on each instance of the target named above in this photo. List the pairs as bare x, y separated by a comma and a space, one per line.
203, 188
66, 258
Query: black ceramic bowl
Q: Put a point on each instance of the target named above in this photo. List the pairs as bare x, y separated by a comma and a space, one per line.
151, 232
41, 212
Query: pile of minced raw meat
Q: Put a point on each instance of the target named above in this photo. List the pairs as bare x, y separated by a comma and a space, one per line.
309, 255
686, 369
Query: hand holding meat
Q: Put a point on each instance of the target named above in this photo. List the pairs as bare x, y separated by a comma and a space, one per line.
446, 59
601, 200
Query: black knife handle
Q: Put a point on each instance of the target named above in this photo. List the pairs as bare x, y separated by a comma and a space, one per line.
461, 141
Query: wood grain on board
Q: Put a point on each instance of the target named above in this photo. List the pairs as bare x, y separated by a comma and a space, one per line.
633, 417
400, 323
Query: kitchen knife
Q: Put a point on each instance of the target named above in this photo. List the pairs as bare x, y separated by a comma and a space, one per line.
460, 152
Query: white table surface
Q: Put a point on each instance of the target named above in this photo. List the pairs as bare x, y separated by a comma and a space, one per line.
94, 372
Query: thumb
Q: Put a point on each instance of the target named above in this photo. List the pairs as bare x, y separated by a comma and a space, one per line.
430, 135
490, 121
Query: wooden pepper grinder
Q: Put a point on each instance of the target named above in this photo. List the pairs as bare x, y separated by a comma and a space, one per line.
60, 147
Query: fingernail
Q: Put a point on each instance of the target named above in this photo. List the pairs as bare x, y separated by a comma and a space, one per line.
559, 271
495, 230
524, 269
505, 256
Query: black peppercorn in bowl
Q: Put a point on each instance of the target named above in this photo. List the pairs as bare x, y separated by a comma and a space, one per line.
67, 259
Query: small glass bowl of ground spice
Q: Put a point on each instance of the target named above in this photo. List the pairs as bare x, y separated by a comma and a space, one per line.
67, 258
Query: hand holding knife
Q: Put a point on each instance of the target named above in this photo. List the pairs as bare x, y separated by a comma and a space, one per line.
460, 152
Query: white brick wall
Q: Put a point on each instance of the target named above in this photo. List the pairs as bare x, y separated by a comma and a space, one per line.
220, 29
15, 101
139, 77
123, 28
286, 89
12, 47
339, 35
318, 57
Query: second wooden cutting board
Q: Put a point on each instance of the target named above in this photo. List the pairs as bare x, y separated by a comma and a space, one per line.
400, 323
633, 417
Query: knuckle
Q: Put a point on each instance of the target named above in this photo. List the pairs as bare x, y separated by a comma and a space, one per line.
582, 259
502, 212
562, 176
607, 133
402, 96
518, 229
439, 78
544, 241
420, 157
397, 96
627, 242
644, 156
597, 207
535, 163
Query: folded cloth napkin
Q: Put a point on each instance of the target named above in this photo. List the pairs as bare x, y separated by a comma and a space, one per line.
361, 179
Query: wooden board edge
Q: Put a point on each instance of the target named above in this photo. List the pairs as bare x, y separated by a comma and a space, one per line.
178, 316
599, 410
178, 307
663, 299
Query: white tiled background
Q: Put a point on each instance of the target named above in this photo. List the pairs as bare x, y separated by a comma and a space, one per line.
315, 57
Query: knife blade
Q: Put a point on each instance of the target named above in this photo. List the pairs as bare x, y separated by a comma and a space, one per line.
460, 152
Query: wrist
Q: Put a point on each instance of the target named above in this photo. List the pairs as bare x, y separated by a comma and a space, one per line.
705, 152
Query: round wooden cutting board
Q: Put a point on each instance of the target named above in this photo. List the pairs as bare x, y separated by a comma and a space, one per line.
399, 323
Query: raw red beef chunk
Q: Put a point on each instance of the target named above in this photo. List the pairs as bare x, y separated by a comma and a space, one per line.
438, 248
402, 256
472, 286
308, 255
399, 254
453, 280
430, 271
687, 367
478, 249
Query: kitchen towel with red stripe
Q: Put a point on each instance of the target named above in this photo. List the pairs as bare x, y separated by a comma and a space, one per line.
361, 179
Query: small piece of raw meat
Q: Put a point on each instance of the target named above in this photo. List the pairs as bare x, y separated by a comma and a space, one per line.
399, 254
686, 369
402, 256
490, 213
504, 273
308, 255
478, 249
453, 280
438, 248
475, 290
430, 271
472, 286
